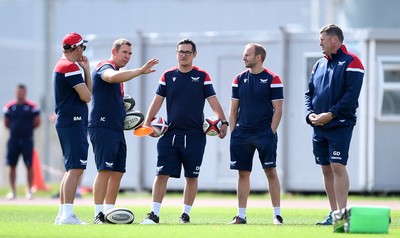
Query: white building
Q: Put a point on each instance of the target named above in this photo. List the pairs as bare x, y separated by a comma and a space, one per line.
30, 46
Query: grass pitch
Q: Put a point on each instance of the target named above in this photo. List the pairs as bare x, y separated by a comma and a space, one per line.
207, 222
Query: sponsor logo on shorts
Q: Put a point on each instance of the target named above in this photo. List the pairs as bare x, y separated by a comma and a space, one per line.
233, 163
102, 118
109, 165
268, 163
83, 162
336, 155
197, 170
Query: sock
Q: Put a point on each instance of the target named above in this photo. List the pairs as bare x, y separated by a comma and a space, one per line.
68, 209
186, 209
277, 211
155, 207
97, 209
108, 207
60, 210
242, 212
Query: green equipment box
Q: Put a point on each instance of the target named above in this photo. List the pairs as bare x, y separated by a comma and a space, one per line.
362, 219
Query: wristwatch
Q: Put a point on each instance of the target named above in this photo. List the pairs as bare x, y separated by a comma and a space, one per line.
225, 122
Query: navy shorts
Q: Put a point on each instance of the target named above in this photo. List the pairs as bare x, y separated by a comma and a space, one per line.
17, 146
244, 143
109, 148
177, 150
74, 146
332, 146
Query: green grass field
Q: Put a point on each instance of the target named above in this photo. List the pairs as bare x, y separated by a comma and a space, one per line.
207, 222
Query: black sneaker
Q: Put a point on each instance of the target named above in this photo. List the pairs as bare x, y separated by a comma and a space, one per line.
238, 220
184, 218
99, 219
327, 222
278, 220
150, 219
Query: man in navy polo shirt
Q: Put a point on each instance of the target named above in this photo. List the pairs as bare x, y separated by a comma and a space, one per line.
72, 92
331, 102
185, 88
255, 114
21, 117
106, 124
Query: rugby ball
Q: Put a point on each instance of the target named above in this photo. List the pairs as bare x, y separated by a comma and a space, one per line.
119, 216
133, 119
212, 126
129, 103
159, 125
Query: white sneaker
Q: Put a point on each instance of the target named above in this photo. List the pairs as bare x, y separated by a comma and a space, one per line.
147, 221
29, 195
57, 220
278, 220
11, 196
71, 220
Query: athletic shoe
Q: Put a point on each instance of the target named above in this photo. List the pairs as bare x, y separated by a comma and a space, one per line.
150, 219
184, 218
278, 220
99, 219
238, 220
57, 220
29, 195
11, 196
327, 222
71, 220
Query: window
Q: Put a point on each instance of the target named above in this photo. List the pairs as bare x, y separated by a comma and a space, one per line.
310, 60
389, 88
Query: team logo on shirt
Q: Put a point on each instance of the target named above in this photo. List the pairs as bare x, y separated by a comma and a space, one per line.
245, 80
340, 63
195, 79
263, 80
102, 118
173, 79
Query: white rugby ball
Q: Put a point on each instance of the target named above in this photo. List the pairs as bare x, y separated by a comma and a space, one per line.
119, 216
133, 119
129, 103
212, 126
159, 125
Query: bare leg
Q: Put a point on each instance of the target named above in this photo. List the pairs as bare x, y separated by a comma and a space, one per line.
113, 187
159, 188
61, 190
243, 188
12, 175
329, 186
29, 175
274, 186
100, 186
341, 184
190, 191
71, 180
